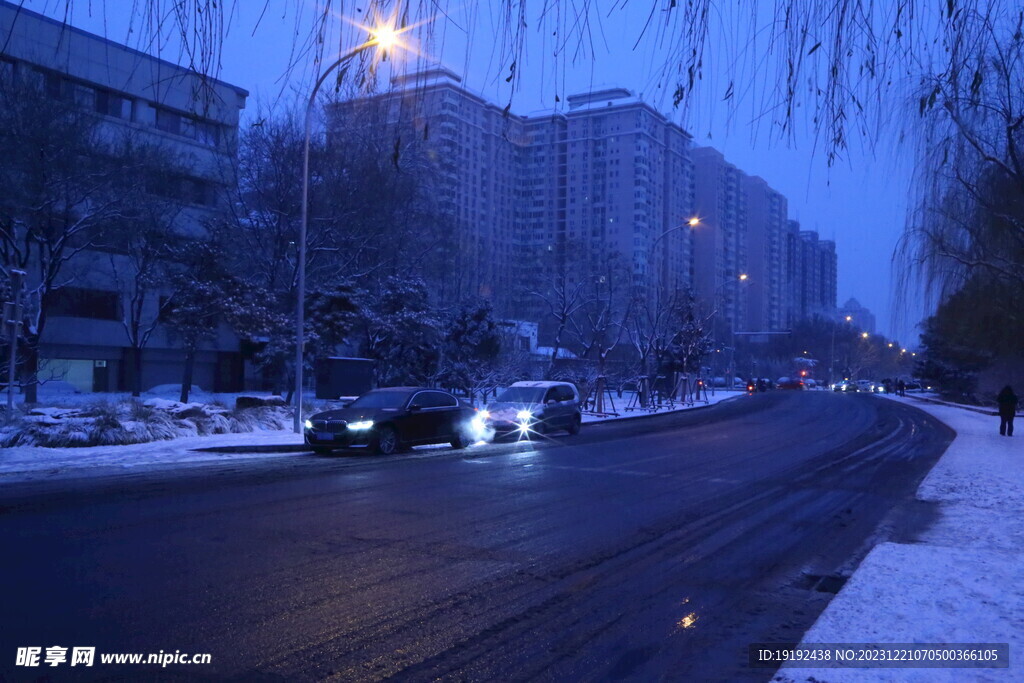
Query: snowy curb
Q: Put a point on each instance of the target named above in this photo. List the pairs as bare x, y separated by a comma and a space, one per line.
962, 582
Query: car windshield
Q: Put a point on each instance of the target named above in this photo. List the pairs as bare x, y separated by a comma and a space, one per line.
522, 395
381, 399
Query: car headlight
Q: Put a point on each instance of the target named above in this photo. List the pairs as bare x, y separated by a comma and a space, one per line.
483, 414
365, 424
524, 415
307, 424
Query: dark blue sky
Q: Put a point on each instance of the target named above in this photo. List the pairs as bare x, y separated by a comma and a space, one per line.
860, 202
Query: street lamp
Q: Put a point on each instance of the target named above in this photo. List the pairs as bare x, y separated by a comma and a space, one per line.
385, 37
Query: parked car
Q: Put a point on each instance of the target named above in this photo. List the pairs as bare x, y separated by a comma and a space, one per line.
539, 407
390, 420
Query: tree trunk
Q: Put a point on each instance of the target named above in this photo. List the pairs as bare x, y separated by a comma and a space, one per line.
137, 372
186, 378
30, 372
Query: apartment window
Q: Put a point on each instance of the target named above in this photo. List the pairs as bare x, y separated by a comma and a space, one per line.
78, 302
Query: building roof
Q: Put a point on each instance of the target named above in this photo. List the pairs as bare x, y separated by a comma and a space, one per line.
19, 10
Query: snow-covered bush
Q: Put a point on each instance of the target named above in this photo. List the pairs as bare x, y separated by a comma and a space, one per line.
131, 422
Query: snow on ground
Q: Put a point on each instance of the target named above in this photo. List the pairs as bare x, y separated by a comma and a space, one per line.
621, 406
963, 582
34, 463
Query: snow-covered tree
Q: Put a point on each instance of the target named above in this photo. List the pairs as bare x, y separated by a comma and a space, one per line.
471, 349
399, 328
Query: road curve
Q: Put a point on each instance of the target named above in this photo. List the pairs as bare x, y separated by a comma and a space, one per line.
654, 548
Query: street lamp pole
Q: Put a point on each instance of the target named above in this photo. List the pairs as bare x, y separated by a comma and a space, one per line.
383, 37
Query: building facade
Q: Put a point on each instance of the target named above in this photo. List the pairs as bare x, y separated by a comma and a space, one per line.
603, 187
720, 240
153, 102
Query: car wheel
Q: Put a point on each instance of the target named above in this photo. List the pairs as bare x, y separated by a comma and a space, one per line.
386, 441
458, 440
574, 426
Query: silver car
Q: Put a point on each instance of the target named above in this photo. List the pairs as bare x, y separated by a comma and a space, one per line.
535, 407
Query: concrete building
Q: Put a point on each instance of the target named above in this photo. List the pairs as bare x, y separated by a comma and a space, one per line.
533, 198
816, 290
766, 229
860, 317
720, 239
156, 102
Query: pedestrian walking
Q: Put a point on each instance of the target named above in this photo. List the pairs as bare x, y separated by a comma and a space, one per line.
901, 388
1007, 401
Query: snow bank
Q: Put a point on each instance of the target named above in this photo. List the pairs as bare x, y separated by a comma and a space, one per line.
134, 422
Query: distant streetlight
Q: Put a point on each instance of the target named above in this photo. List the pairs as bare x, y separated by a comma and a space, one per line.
849, 318
864, 335
385, 37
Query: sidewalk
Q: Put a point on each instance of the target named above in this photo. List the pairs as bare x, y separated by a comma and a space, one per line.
35, 463
963, 582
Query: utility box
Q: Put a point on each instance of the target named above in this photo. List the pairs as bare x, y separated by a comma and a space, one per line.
336, 377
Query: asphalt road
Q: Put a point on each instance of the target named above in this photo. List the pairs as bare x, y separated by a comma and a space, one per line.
648, 549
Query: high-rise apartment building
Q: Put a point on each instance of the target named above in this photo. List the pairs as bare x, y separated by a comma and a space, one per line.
155, 102
766, 229
720, 239
815, 294
609, 182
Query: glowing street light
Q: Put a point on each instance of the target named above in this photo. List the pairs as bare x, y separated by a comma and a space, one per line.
743, 277
693, 222
385, 37
864, 335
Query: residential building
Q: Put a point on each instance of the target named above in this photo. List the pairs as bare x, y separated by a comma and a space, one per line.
192, 118
766, 229
720, 240
816, 286
860, 317
550, 195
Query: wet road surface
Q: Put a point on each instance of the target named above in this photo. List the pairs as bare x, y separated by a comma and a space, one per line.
648, 549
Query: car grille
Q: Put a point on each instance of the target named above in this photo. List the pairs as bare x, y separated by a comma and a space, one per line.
333, 426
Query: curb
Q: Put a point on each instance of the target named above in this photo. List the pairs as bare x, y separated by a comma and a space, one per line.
259, 448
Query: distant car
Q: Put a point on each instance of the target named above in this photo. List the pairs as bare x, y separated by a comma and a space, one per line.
539, 407
390, 420
790, 383
845, 385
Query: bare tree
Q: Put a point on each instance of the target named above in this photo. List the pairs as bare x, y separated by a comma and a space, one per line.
58, 195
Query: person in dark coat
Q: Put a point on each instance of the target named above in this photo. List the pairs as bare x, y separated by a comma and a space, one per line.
1007, 401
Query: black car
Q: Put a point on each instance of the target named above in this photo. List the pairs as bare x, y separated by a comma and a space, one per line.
390, 420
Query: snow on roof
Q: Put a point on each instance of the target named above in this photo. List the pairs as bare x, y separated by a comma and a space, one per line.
562, 352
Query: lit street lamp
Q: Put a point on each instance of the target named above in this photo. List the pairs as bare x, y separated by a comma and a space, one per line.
385, 37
